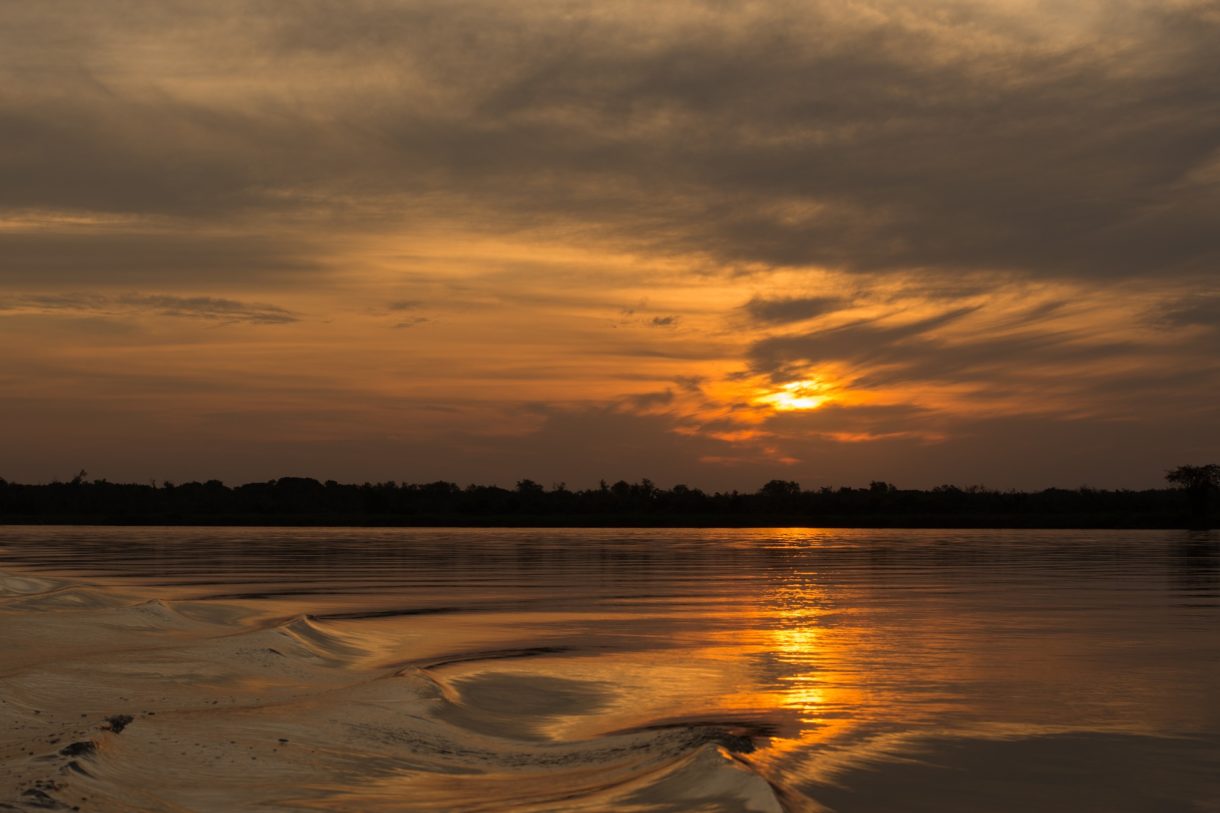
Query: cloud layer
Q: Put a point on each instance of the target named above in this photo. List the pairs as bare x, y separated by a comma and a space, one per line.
946, 217
872, 136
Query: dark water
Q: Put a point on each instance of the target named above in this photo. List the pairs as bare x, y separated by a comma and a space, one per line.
638, 670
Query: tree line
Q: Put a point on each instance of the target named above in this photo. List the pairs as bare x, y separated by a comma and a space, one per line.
306, 501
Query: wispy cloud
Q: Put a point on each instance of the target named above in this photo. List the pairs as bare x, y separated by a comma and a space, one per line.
859, 341
207, 308
211, 308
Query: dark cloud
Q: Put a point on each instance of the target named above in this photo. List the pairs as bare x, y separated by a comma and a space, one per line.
663, 321
211, 308
649, 400
861, 342
54, 302
208, 308
690, 383
892, 136
51, 257
1199, 310
790, 309
999, 364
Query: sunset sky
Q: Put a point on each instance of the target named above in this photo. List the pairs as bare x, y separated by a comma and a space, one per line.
709, 242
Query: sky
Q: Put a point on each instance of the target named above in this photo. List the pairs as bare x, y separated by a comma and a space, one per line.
712, 243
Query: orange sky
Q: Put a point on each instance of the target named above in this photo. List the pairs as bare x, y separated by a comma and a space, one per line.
716, 244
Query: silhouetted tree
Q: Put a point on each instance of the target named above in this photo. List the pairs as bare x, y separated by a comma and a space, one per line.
1199, 482
780, 488
528, 487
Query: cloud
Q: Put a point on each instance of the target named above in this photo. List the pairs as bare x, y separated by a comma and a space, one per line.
165, 256
207, 308
862, 341
211, 308
54, 302
690, 383
649, 400
1199, 310
1055, 359
790, 309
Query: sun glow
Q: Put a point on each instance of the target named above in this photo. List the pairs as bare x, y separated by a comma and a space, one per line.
796, 395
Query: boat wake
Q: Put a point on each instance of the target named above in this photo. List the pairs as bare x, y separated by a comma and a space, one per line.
122, 703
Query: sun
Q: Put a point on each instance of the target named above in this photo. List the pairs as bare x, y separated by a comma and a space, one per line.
795, 395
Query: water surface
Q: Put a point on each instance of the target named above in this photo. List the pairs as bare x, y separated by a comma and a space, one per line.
626, 670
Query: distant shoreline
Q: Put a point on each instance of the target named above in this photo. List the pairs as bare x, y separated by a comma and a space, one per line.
710, 523
305, 502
